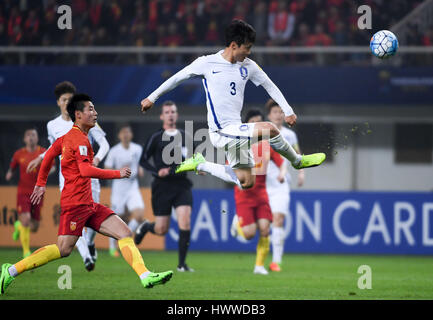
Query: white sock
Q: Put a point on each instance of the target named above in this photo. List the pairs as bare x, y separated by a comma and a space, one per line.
281, 145
13, 271
144, 275
133, 225
277, 239
83, 249
89, 234
113, 243
223, 172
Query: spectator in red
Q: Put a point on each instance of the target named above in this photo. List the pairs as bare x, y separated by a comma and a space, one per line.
427, 39
259, 21
281, 24
173, 38
333, 19
153, 15
15, 19
212, 36
319, 38
79, 6
31, 28
95, 12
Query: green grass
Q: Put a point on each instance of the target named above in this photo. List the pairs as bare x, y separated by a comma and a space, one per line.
229, 276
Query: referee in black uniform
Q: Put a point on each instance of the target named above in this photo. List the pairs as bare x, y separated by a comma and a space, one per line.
168, 189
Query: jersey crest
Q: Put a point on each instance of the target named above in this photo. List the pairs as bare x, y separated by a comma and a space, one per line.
244, 72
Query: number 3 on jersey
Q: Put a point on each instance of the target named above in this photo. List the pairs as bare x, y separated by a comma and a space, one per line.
233, 86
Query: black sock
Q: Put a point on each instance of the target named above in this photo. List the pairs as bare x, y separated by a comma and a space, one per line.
151, 227
184, 236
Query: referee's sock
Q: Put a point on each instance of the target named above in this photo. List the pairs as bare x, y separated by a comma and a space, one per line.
184, 236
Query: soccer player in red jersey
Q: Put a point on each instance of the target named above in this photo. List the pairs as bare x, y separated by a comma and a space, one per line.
252, 205
28, 214
78, 208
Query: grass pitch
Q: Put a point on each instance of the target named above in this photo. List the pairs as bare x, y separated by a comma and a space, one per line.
229, 276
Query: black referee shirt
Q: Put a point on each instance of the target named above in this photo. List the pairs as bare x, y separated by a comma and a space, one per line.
166, 150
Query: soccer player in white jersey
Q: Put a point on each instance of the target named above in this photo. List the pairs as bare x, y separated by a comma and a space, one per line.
59, 127
225, 75
125, 193
278, 187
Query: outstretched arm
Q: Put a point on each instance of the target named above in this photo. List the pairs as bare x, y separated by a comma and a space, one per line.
194, 69
89, 171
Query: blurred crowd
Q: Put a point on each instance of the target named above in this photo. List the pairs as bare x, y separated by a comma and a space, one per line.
198, 22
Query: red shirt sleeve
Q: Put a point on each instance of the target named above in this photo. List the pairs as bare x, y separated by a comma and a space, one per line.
276, 158
47, 163
89, 171
14, 161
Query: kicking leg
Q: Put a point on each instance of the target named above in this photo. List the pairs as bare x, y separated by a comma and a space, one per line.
114, 227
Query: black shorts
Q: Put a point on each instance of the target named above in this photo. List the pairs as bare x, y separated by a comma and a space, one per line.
168, 195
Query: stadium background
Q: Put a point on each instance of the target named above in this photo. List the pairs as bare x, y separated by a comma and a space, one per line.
373, 118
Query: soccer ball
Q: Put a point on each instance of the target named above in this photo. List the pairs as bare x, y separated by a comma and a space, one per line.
384, 44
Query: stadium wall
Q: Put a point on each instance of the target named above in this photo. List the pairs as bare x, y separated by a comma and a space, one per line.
319, 222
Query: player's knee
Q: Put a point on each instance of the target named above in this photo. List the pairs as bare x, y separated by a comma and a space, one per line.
264, 232
249, 236
65, 250
161, 230
269, 129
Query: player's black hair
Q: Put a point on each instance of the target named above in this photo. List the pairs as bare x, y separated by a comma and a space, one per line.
167, 103
270, 104
124, 125
30, 128
77, 103
252, 113
64, 87
240, 32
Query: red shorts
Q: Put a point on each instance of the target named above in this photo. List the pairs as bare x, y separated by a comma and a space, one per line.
249, 213
74, 219
24, 205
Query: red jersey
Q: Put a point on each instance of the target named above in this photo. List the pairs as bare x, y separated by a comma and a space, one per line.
77, 169
262, 152
21, 158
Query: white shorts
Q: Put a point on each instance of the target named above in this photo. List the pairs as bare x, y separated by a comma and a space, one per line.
279, 200
96, 190
235, 140
131, 199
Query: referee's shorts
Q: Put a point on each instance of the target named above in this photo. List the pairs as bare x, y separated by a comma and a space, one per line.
166, 195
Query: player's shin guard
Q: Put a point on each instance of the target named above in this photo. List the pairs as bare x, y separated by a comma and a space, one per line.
131, 254
279, 144
277, 244
25, 239
184, 236
38, 258
262, 250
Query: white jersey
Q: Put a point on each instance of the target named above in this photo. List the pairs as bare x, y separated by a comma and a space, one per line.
273, 170
224, 83
119, 157
59, 127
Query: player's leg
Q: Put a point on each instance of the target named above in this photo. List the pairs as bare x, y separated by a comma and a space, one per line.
64, 246
267, 130
277, 241
135, 205
88, 233
22, 225
184, 222
162, 201
262, 249
109, 224
118, 204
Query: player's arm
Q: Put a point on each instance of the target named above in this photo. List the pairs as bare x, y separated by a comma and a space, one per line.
259, 77
99, 136
279, 161
12, 167
191, 70
47, 164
